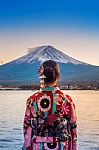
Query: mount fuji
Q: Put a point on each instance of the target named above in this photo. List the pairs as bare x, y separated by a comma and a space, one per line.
24, 70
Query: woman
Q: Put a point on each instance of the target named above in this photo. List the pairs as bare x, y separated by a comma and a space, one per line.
50, 118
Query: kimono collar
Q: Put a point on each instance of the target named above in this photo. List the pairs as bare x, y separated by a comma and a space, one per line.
50, 88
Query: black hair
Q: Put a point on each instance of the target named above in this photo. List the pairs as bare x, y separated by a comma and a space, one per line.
51, 71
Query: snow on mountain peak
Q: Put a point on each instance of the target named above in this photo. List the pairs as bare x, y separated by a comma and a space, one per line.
44, 53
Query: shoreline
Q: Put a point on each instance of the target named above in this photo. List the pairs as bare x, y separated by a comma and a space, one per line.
12, 89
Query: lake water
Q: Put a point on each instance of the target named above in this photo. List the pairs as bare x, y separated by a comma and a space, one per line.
12, 107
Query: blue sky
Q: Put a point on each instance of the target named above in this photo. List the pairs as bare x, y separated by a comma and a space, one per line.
69, 25
26, 13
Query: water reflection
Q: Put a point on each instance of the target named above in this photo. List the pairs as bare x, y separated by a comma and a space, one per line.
12, 107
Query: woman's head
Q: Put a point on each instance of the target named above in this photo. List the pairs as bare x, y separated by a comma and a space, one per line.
51, 71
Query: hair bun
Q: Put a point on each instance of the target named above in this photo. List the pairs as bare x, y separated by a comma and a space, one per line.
50, 74
51, 71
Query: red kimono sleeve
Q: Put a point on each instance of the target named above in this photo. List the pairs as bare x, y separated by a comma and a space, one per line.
27, 129
72, 125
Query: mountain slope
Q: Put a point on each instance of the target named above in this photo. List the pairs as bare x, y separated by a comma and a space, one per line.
43, 53
24, 70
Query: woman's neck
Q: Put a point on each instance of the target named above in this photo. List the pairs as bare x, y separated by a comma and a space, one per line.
51, 84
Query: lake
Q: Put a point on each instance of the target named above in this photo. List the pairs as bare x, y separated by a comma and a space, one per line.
12, 107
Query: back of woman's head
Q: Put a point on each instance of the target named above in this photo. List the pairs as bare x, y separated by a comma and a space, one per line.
51, 71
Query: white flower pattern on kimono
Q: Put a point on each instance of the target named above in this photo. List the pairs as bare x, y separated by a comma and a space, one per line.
65, 109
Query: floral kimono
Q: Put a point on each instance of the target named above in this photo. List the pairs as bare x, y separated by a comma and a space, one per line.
50, 121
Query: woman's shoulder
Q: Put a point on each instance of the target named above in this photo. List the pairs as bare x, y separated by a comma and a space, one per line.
34, 96
62, 94
69, 98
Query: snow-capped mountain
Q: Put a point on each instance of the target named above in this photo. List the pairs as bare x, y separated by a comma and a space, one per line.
44, 53
24, 70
